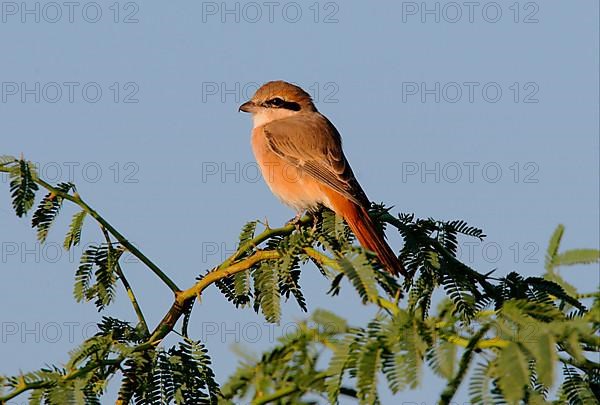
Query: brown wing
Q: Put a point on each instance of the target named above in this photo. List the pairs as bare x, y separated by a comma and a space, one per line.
312, 144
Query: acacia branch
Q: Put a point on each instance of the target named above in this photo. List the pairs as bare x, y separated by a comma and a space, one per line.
463, 366
246, 257
76, 199
183, 297
127, 286
133, 299
263, 236
231, 266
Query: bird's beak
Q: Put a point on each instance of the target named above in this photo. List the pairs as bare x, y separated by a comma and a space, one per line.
248, 106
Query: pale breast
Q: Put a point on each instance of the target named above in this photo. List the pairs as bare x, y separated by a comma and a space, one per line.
289, 183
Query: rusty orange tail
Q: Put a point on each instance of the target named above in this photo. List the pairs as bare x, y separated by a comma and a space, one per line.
367, 234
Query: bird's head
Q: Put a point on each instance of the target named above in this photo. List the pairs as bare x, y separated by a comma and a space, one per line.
275, 100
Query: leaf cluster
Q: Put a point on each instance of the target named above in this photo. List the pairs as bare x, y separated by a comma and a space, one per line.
510, 339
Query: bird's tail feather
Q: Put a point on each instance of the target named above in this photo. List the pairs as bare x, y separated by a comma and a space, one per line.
368, 235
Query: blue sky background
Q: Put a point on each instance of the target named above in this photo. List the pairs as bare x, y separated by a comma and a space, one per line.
174, 171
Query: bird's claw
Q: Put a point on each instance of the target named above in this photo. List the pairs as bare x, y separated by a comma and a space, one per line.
295, 221
316, 217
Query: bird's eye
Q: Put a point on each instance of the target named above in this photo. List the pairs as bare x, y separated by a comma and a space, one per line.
276, 102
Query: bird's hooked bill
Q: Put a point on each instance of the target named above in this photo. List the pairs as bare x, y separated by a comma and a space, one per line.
248, 106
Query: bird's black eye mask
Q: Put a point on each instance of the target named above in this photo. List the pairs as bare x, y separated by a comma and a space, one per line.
278, 102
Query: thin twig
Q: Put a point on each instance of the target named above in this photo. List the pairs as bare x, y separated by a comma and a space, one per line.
127, 286
134, 301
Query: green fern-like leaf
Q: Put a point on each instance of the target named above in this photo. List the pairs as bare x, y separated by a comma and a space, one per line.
333, 233
525, 313
119, 330
575, 389
549, 287
442, 359
36, 397
480, 383
199, 353
458, 292
367, 367
93, 345
162, 388
226, 286
553, 247
462, 227
339, 363
357, 268
104, 259
289, 267
241, 285
73, 236
329, 322
405, 350
137, 378
267, 293
247, 232
576, 256
7, 159
394, 370
421, 292
193, 379
83, 275
47, 211
544, 351
23, 187
556, 278
512, 371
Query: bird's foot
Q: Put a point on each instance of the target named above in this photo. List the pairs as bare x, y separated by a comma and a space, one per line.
316, 218
295, 221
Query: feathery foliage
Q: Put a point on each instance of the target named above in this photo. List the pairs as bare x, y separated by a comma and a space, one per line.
509, 339
73, 236
22, 185
47, 211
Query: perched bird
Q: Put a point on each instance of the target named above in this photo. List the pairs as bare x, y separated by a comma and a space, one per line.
299, 152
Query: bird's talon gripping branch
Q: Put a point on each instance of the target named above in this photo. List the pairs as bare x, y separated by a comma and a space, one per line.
295, 221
